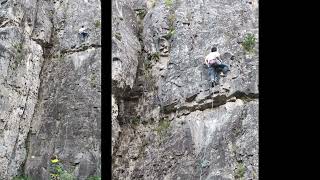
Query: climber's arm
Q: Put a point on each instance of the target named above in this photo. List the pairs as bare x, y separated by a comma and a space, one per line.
206, 60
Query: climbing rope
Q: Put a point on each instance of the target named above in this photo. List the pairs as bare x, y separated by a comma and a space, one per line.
204, 163
212, 98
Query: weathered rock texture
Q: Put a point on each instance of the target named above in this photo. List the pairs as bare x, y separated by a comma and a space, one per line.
49, 87
169, 123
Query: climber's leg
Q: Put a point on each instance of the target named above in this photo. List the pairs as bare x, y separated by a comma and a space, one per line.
212, 75
223, 68
217, 78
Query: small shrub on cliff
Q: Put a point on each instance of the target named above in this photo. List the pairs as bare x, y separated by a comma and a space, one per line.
97, 23
239, 171
249, 42
149, 81
155, 56
168, 3
135, 121
170, 33
171, 21
141, 13
147, 64
66, 176
163, 126
93, 80
63, 174
57, 171
19, 53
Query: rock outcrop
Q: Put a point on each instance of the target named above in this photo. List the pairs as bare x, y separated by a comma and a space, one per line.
170, 124
50, 88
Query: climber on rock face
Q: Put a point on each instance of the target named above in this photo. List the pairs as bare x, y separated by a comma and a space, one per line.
82, 32
213, 61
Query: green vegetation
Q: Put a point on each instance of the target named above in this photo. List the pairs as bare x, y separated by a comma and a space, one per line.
148, 61
135, 121
171, 32
18, 47
141, 13
171, 21
168, 3
59, 56
94, 178
149, 80
143, 148
97, 23
19, 53
118, 36
163, 126
249, 42
61, 174
21, 178
66, 176
93, 80
155, 56
239, 171
147, 64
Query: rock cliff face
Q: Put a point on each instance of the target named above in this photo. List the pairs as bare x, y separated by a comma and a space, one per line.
49, 87
168, 123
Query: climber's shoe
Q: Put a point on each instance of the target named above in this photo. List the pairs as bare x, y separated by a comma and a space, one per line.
212, 83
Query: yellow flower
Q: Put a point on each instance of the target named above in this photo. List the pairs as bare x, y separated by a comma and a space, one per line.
54, 160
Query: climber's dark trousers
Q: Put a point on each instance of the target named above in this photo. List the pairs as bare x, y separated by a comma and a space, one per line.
84, 35
215, 70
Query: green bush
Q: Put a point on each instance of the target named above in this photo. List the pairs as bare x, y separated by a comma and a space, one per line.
249, 42
141, 13
147, 64
19, 53
149, 80
63, 174
150, 58
93, 80
239, 171
168, 3
155, 56
66, 176
171, 32
163, 126
135, 121
97, 23
171, 21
